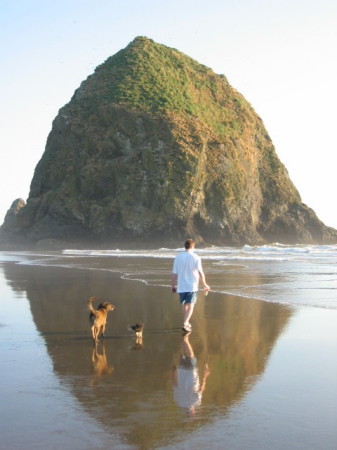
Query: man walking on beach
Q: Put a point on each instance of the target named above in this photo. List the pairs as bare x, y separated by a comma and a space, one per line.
187, 270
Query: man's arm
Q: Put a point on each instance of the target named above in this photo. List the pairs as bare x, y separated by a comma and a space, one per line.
203, 279
174, 282
203, 383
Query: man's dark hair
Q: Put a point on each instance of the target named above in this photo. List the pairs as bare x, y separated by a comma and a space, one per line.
189, 243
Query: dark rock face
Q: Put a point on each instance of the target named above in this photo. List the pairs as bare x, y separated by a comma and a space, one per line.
10, 218
154, 147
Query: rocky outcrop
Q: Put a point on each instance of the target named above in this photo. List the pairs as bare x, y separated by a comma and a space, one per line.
154, 147
10, 218
10, 233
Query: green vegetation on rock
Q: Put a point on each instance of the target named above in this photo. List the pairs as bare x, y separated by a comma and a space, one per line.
155, 79
154, 147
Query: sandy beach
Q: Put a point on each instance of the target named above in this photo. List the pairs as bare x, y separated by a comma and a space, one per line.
264, 373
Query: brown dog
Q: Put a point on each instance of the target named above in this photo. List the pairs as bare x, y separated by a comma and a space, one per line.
97, 318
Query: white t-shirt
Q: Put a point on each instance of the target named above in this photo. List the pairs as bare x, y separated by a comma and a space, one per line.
187, 266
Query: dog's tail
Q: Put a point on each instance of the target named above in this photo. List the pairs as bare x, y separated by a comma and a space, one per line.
91, 308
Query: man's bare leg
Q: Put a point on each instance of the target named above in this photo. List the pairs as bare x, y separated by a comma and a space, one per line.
187, 347
187, 312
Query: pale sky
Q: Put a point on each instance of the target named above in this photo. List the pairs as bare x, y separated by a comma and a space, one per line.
281, 55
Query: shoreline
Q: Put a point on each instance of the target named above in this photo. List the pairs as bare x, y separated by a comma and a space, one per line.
251, 347
227, 267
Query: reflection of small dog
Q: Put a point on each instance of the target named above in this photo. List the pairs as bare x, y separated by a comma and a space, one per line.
97, 318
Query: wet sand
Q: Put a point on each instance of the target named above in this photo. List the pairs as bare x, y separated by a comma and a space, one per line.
251, 375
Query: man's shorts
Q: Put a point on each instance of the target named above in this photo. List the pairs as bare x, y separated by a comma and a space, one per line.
187, 297
186, 362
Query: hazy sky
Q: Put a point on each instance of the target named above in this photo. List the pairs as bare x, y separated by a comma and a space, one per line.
281, 55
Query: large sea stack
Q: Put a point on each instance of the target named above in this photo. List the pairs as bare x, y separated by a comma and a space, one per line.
154, 147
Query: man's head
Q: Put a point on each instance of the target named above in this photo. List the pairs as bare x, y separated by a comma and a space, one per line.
189, 243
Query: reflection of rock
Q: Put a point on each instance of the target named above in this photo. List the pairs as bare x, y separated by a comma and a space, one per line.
240, 336
235, 336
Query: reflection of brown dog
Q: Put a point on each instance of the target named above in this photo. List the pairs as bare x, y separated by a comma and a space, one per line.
100, 363
97, 318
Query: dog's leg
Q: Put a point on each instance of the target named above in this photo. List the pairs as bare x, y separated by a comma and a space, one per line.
94, 334
103, 330
94, 355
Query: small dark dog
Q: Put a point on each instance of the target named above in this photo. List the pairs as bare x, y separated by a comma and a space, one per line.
97, 318
138, 329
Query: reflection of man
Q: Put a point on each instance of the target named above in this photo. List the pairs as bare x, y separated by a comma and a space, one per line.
188, 390
187, 270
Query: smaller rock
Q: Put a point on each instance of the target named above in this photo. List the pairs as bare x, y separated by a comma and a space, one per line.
11, 214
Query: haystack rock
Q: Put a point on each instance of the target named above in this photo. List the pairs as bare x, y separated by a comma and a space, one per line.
154, 147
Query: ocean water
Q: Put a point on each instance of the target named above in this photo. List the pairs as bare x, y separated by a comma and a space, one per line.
297, 275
